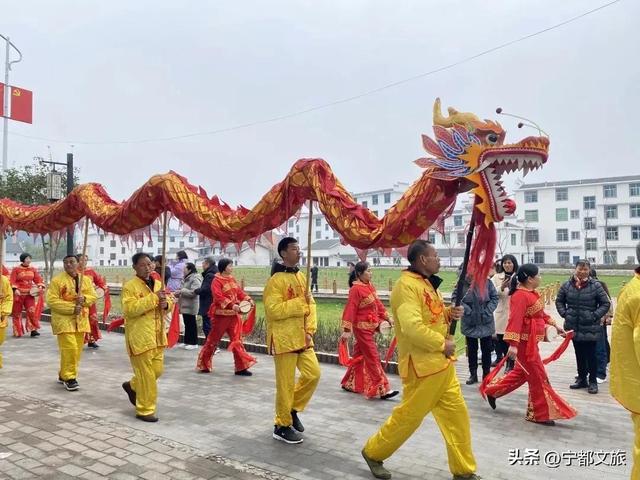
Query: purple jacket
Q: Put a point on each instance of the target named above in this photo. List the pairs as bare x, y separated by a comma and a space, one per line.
177, 276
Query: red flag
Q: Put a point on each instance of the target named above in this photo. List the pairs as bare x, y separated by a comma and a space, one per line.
174, 327
39, 306
115, 323
21, 105
249, 323
1, 99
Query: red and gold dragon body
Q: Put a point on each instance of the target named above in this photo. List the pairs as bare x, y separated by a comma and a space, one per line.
466, 154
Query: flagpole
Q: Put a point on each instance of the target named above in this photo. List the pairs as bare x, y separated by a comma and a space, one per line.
309, 246
7, 90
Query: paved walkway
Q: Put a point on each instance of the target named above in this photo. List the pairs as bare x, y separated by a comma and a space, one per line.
219, 425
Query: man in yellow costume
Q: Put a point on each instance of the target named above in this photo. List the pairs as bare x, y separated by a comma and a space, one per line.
625, 357
426, 366
69, 302
290, 312
144, 305
6, 304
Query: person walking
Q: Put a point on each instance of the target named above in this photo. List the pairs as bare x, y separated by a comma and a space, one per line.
188, 302
582, 302
478, 325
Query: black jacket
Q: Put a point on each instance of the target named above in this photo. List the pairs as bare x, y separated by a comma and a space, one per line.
583, 309
204, 292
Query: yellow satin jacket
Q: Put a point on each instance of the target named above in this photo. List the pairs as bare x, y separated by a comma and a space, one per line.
61, 298
6, 301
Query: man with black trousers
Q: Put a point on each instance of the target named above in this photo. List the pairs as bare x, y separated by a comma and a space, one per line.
209, 270
582, 302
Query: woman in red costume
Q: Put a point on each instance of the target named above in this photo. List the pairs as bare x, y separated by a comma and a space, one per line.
361, 318
225, 315
23, 278
526, 327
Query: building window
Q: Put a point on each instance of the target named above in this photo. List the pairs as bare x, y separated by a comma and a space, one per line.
318, 222
634, 189
634, 210
635, 232
612, 233
326, 227
124, 262
562, 194
514, 239
432, 238
590, 243
159, 250
575, 214
123, 250
335, 234
532, 236
575, 235
102, 238
374, 200
150, 243
172, 239
446, 238
364, 203
290, 223
102, 250
531, 196
610, 211
564, 258
562, 235
112, 256
181, 244
191, 239
119, 263
387, 198
461, 238
589, 203
531, 215
318, 235
112, 243
589, 223
538, 258
102, 263
297, 228
610, 191
562, 214
457, 220
610, 257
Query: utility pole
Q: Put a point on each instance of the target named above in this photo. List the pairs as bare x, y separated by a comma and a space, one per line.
7, 97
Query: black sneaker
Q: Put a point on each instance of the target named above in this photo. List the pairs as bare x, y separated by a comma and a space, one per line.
71, 385
244, 373
579, 384
389, 394
472, 379
593, 388
287, 435
93, 345
297, 424
35, 333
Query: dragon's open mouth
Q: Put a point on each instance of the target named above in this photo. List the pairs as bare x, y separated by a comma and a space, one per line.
526, 155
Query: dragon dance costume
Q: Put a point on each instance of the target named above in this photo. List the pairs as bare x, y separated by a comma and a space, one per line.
145, 338
289, 320
22, 279
67, 326
429, 381
625, 359
226, 294
362, 315
526, 327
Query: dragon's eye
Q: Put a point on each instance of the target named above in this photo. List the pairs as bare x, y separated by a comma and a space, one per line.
492, 139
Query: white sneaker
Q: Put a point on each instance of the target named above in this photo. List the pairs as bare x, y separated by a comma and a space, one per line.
601, 380
191, 347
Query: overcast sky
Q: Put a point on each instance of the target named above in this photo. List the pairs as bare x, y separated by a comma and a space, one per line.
131, 70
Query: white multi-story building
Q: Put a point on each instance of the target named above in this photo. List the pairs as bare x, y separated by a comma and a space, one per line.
598, 219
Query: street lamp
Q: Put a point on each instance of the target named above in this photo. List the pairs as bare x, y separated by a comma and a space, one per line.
54, 188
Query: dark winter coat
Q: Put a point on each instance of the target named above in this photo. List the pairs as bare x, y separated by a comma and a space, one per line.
477, 321
583, 309
204, 292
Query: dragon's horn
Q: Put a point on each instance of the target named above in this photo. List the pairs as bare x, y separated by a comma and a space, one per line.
455, 117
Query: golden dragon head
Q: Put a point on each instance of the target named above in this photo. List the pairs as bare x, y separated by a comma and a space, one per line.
473, 151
